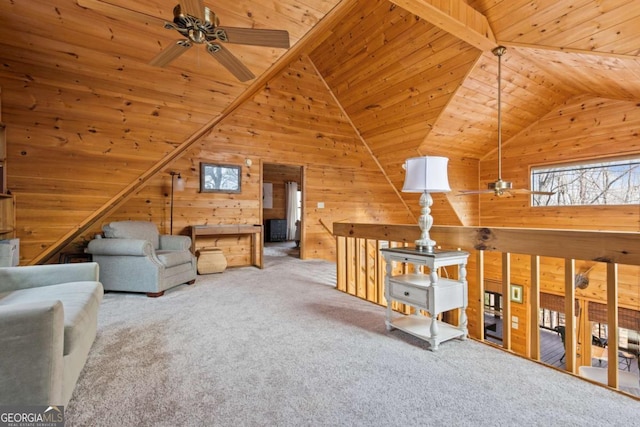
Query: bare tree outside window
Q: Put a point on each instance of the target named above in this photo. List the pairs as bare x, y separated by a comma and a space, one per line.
615, 182
220, 178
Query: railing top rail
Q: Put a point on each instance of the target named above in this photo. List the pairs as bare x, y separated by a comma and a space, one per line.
602, 246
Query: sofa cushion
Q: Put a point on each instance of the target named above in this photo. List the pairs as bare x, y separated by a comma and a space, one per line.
172, 258
80, 301
143, 230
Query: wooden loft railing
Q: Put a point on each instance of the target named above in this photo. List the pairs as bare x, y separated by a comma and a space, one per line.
360, 272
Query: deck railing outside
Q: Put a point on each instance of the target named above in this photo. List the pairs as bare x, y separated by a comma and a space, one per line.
360, 272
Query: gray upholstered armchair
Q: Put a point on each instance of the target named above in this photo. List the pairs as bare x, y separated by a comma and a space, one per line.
134, 257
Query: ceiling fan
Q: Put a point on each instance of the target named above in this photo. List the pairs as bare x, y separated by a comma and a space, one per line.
200, 25
581, 279
500, 187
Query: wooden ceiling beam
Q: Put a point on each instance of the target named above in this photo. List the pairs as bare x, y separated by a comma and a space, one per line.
455, 17
308, 42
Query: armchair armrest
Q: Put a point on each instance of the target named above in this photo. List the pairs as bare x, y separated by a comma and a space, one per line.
175, 243
31, 348
129, 247
13, 278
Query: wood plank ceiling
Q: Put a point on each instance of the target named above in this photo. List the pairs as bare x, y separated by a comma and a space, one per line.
412, 76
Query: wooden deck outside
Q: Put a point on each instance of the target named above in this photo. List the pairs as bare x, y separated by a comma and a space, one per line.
552, 350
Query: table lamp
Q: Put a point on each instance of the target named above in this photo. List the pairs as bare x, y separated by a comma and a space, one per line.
426, 175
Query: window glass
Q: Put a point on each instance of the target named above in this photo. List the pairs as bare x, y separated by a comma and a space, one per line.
614, 182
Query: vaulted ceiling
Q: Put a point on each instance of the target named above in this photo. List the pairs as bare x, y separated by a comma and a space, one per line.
411, 76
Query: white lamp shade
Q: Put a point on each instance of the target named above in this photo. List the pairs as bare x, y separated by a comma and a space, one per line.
428, 173
179, 183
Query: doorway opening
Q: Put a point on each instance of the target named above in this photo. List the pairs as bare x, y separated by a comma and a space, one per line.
282, 210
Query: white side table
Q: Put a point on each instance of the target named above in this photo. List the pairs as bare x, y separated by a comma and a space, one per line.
427, 292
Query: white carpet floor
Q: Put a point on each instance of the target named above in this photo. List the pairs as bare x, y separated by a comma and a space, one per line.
281, 347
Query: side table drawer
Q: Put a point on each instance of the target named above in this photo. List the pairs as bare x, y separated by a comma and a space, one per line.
409, 293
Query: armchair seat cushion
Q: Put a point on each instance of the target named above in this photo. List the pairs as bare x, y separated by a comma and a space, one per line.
80, 301
173, 258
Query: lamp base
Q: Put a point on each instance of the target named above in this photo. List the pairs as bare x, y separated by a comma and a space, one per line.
425, 243
425, 246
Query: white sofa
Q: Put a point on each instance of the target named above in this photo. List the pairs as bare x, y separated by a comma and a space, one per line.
48, 322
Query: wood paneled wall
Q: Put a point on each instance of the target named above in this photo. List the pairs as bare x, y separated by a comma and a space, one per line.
86, 118
292, 121
61, 169
583, 128
392, 74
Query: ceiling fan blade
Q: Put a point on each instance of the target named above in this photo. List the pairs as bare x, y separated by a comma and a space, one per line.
170, 53
543, 193
504, 193
192, 7
254, 36
470, 192
230, 62
525, 191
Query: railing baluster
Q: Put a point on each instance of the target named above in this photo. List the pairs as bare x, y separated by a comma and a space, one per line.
534, 301
351, 267
612, 323
570, 314
361, 277
506, 300
341, 263
480, 301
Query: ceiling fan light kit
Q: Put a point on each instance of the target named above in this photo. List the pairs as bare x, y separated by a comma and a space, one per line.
499, 186
200, 25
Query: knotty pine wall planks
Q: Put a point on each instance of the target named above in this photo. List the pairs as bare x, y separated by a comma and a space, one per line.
63, 168
283, 125
582, 129
393, 82
86, 115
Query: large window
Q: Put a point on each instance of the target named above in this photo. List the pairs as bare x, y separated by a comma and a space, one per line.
614, 182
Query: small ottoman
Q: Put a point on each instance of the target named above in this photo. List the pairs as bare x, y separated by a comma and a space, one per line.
211, 260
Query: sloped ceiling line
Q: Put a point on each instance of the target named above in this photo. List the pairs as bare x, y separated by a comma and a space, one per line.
309, 40
357, 132
460, 207
459, 19
449, 101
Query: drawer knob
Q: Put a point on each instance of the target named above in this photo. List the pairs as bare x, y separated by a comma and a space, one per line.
406, 293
